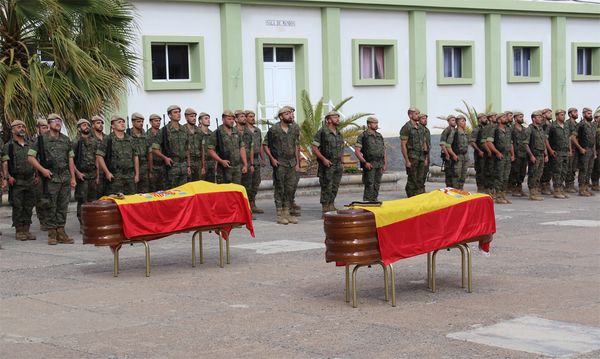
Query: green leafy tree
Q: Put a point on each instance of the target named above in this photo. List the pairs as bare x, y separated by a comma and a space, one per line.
70, 57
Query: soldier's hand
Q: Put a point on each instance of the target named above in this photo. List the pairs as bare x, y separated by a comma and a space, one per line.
110, 177
136, 179
582, 151
368, 166
499, 155
263, 163
11, 181
480, 153
274, 163
251, 168
447, 156
203, 171
512, 158
36, 180
168, 161
3, 186
408, 164
80, 176
189, 171
327, 163
150, 175
533, 159
97, 181
545, 158
225, 163
570, 153
455, 158
244, 169
46, 173
73, 182
553, 153
297, 167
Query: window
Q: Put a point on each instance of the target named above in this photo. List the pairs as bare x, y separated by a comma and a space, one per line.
455, 61
524, 61
374, 62
173, 63
278, 54
585, 61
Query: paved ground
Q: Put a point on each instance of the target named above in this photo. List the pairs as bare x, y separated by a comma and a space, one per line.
62, 301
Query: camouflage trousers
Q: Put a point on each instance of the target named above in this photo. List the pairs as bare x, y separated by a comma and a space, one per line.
415, 174
535, 170
121, 184
246, 180
211, 173
143, 186
586, 164
157, 180
177, 174
547, 173
572, 168
459, 169
559, 165
284, 183
41, 204
255, 181
85, 191
196, 168
488, 171
372, 180
449, 175
501, 172
22, 200
595, 177
518, 170
232, 174
58, 205
478, 164
329, 178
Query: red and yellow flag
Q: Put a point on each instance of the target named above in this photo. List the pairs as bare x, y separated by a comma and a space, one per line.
431, 221
192, 205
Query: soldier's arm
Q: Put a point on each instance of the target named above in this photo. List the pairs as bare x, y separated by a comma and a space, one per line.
548, 148
103, 167
5, 173
576, 143
358, 149
136, 169
404, 148
36, 164
72, 171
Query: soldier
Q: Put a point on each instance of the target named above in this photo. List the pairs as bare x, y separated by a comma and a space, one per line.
140, 141
571, 124
259, 159
86, 170
413, 148
281, 147
585, 141
173, 148
448, 156
209, 164
328, 146
596, 170
195, 142
370, 151
502, 147
426, 134
519, 165
295, 210
20, 177
98, 137
41, 201
559, 151
57, 168
547, 174
118, 158
156, 166
478, 153
488, 163
458, 143
247, 137
227, 148
535, 145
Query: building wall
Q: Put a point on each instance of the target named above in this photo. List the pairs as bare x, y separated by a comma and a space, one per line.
443, 99
388, 103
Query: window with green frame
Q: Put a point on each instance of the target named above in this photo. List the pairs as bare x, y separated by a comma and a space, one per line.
374, 62
455, 62
173, 63
585, 61
524, 60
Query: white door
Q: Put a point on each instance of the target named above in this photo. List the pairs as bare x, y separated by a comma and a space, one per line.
280, 78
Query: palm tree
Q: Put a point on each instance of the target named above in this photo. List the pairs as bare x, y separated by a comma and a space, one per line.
71, 57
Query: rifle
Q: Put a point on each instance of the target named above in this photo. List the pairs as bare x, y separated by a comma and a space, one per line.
11, 158
78, 153
108, 155
127, 129
44, 162
164, 146
219, 146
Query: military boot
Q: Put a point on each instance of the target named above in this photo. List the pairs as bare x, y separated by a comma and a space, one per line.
546, 189
557, 194
498, 198
62, 237
20, 235
570, 188
30, 236
254, 208
583, 192
43, 227
587, 189
281, 219
332, 207
517, 191
289, 217
296, 207
533, 196
596, 187
506, 199
52, 236
562, 191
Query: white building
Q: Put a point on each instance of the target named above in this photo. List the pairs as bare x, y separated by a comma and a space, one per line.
388, 54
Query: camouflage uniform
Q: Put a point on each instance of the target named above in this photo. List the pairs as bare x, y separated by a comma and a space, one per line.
502, 140
416, 147
229, 150
178, 146
58, 151
535, 139
488, 160
547, 173
140, 141
372, 147
586, 135
158, 180
460, 145
248, 138
449, 174
331, 147
85, 162
210, 173
572, 163
519, 165
426, 135
20, 195
282, 146
195, 142
478, 161
257, 141
596, 170
120, 164
559, 139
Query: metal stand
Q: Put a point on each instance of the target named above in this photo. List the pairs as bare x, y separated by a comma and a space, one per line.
116, 257
466, 267
198, 234
388, 272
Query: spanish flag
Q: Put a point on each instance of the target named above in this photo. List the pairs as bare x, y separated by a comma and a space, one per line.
192, 205
431, 221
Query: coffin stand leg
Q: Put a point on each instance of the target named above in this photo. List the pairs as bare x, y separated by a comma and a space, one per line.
347, 283
465, 267
220, 250
393, 279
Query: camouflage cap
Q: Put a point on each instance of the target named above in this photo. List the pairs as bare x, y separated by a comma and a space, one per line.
41, 122
571, 109
116, 118
227, 113
285, 109
97, 118
421, 115
413, 109
490, 114
461, 116
332, 113
137, 116
450, 116
536, 113
546, 110
560, 110
518, 113
507, 112
586, 109
190, 111
173, 107
597, 114
202, 114
239, 112
481, 114
53, 116
154, 116
83, 120
17, 123
247, 112
372, 119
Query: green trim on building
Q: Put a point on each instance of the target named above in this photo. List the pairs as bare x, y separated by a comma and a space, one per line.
467, 62
535, 71
231, 56
196, 56
301, 64
332, 59
595, 76
390, 62
493, 84
558, 67
417, 59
